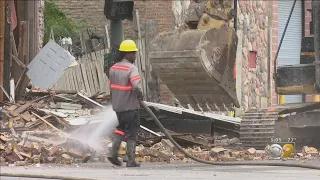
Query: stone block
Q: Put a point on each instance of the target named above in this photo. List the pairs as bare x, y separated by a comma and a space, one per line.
169, 146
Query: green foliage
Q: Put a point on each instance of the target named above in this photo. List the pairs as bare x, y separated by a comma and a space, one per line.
62, 26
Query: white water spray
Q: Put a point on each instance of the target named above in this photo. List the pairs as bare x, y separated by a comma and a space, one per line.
100, 126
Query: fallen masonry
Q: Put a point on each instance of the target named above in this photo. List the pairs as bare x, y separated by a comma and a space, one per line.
42, 130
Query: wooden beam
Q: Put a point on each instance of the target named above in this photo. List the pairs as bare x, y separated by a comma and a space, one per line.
7, 47
2, 24
152, 81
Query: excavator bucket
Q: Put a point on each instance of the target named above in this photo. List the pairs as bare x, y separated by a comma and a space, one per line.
197, 67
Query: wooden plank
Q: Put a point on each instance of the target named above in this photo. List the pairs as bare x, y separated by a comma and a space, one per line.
152, 81
75, 80
59, 85
107, 36
80, 79
141, 53
85, 79
23, 52
90, 79
67, 80
21, 78
94, 76
102, 83
47, 122
70, 77
2, 24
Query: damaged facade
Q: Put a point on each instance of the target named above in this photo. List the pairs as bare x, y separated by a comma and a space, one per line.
259, 36
256, 26
25, 21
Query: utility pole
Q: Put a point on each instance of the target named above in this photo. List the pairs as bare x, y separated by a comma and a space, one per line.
316, 26
116, 11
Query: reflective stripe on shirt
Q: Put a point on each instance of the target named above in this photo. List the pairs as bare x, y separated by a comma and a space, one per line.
120, 67
135, 78
120, 87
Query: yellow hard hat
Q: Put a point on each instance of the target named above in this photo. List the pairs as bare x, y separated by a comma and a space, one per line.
128, 46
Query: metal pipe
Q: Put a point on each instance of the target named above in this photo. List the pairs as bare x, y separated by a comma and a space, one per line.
316, 26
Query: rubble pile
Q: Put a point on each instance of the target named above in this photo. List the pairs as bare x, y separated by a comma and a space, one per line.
41, 147
37, 131
164, 151
46, 113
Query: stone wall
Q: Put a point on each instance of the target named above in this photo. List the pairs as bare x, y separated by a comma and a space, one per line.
253, 29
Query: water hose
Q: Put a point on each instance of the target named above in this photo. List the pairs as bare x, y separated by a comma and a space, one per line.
143, 104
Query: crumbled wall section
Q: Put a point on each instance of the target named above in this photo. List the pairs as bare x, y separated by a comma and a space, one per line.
40, 24
253, 32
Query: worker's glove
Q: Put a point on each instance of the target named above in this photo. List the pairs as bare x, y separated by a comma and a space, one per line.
140, 95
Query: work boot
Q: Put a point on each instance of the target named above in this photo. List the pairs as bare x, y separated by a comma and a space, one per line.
131, 153
125, 158
115, 150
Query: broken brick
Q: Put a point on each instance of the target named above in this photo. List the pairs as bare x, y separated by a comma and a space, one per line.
20, 163
50, 159
53, 150
310, 150
251, 151
75, 153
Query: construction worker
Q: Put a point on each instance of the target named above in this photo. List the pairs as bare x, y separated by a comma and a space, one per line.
126, 92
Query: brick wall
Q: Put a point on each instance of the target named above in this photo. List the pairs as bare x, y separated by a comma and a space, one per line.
307, 17
92, 14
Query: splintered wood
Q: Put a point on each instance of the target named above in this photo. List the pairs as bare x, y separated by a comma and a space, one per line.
26, 116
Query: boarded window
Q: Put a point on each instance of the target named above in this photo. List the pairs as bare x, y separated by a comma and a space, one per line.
252, 59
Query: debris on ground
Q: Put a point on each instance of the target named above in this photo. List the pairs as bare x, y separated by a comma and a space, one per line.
42, 147
37, 131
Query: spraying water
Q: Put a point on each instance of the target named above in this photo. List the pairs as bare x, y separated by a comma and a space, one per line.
98, 128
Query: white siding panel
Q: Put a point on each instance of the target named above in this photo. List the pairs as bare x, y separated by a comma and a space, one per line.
290, 49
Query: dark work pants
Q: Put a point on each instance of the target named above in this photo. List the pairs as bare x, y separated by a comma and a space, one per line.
129, 123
